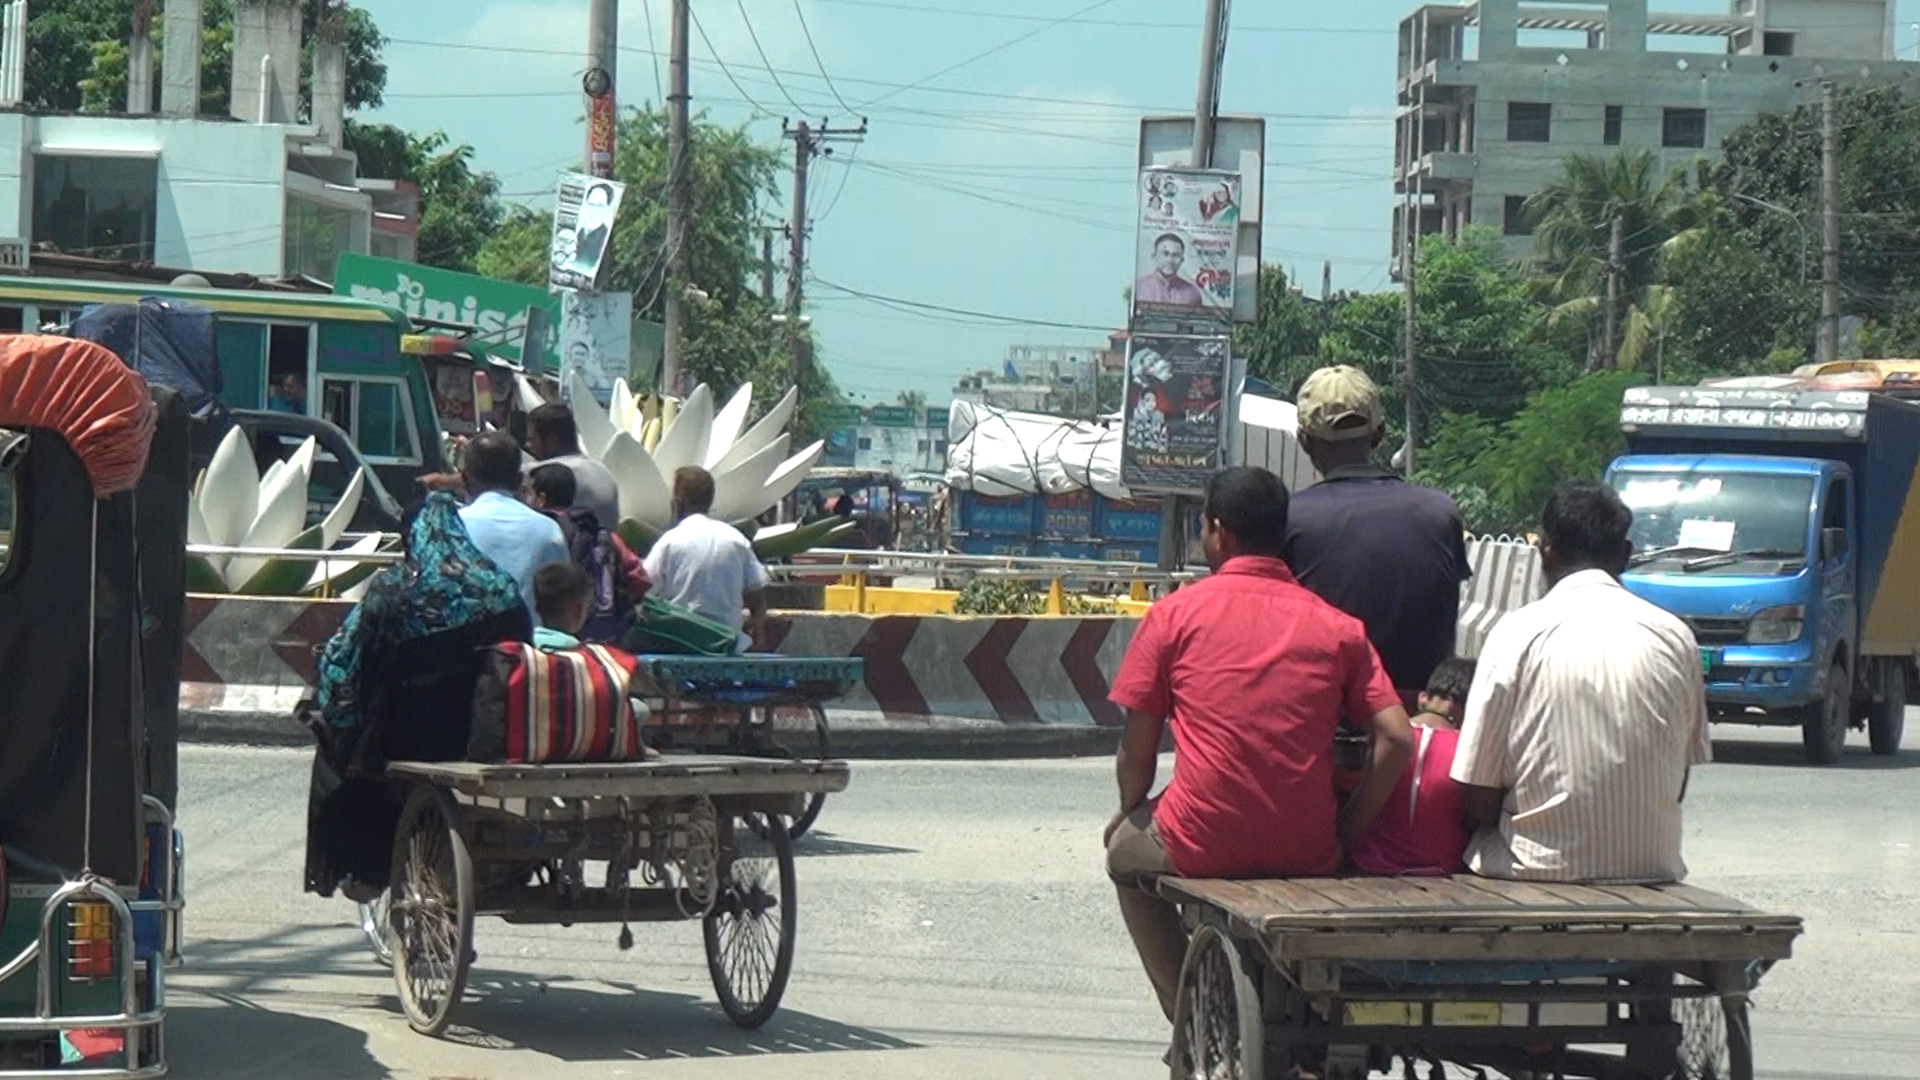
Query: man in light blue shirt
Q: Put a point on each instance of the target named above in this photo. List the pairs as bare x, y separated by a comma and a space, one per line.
518, 538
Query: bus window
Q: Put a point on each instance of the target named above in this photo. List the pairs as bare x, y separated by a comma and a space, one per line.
13, 320
376, 414
289, 356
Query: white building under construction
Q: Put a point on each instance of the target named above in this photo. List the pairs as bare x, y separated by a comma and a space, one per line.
1494, 95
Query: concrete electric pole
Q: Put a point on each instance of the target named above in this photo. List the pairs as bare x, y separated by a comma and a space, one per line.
1827, 348
808, 143
603, 58
679, 202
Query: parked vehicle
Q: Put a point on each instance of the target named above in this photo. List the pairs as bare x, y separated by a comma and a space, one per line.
276, 435
1775, 520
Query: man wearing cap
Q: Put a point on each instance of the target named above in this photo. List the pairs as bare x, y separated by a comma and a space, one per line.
1390, 553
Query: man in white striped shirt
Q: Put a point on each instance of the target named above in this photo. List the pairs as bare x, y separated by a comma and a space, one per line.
1587, 711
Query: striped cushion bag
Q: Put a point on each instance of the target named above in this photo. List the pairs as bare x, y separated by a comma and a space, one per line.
569, 706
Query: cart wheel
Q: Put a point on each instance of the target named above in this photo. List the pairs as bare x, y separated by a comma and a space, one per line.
375, 921
797, 733
750, 929
1716, 1039
430, 919
1218, 1032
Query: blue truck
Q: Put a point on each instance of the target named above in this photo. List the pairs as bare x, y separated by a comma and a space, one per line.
1783, 524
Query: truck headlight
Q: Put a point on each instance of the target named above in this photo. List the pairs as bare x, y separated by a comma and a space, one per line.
1777, 625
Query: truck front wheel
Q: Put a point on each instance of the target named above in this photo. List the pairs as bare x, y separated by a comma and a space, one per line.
1823, 726
1888, 718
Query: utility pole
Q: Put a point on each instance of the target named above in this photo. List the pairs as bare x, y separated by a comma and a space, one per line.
1827, 348
679, 202
766, 265
603, 52
808, 143
1326, 280
1610, 343
1409, 273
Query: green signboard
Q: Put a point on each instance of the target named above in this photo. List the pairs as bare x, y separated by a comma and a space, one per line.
497, 309
840, 416
891, 416
937, 419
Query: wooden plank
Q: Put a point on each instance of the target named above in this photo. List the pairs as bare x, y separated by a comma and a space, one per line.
1297, 897
1704, 899
1667, 947
1432, 892
1471, 894
1522, 893
666, 778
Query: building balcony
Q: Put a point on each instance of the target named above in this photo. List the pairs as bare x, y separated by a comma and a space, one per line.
1439, 168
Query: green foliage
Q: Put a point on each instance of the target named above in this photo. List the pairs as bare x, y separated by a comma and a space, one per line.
460, 209
993, 596
731, 336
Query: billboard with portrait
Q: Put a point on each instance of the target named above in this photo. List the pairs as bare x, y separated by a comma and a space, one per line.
1175, 415
582, 230
1185, 256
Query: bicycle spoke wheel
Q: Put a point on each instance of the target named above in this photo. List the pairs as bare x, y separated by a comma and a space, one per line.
430, 911
750, 930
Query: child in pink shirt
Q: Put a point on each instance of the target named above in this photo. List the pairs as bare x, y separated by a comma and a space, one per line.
1422, 830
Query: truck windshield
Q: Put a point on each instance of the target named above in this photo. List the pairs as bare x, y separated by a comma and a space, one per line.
1690, 514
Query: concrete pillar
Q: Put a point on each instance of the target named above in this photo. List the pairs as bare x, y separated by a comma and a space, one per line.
330, 91
1499, 28
266, 61
1627, 26
180, 59
140, 60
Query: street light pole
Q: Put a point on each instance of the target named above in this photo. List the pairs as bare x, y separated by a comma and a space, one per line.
1791, 216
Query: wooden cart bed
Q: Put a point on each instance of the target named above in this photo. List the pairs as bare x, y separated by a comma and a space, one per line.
667, 777
1468, 918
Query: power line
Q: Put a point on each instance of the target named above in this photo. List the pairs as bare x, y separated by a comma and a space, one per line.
659, 86
917, 305
1011, 16
724, 69
1002, 47
755, 37
834, 90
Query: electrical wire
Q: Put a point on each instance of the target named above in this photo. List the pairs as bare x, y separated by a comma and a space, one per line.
659, 85
976, 57
724, 69
807, 32
754, 36
917, 305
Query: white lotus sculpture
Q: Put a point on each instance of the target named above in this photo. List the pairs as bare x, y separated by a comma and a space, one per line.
234, 506
751, 470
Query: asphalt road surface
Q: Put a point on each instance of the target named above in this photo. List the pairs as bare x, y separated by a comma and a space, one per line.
954, 924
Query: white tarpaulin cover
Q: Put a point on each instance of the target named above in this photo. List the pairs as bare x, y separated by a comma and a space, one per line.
1001, 452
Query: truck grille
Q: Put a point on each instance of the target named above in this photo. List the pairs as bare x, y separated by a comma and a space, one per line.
1710, 630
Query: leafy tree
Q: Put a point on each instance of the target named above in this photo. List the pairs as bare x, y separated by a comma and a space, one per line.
731, 335
460, 209
1573, 220
911, 399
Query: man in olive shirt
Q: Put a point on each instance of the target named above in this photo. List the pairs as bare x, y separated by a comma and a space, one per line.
1390, 553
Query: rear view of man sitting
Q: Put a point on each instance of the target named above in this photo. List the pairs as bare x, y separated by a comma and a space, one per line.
1253, 673
1587, 712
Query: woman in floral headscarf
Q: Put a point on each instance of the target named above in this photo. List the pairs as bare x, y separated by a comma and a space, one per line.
444, 589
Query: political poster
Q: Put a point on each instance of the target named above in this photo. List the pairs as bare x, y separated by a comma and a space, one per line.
596, 340
582, 231
1175, 412
1185, 257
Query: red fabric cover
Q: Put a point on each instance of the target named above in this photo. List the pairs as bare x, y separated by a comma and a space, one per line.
569, 706
99, 405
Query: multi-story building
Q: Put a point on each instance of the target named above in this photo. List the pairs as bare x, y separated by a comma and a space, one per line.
1494, 95
1061, 379
256, 193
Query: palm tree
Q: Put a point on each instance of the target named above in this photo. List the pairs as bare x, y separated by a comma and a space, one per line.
1573, 221
912, 399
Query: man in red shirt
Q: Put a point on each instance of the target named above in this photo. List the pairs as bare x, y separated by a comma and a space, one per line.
1254, 673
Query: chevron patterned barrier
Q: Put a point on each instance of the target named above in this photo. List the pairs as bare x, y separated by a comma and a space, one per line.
255, 655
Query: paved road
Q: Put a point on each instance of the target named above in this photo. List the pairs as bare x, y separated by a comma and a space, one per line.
954, 924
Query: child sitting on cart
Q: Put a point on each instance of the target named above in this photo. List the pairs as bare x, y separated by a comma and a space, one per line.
1423, 830
562, 597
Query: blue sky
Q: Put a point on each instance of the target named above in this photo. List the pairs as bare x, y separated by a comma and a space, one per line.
1002, 186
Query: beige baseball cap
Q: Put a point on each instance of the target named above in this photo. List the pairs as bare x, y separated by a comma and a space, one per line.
1339, 403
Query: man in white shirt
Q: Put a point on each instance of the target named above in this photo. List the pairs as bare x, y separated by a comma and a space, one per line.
708, 565
1586, 714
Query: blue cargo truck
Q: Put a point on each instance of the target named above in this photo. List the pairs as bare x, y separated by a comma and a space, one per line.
1783, 524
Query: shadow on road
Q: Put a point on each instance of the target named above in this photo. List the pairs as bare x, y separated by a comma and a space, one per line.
632, 1024
1742, 752
242, 1041
818, 844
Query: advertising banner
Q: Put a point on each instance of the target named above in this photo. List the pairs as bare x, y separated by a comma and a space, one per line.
600, 129
497, 310
582, 230
596, 333
1175, 412
1185, 256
